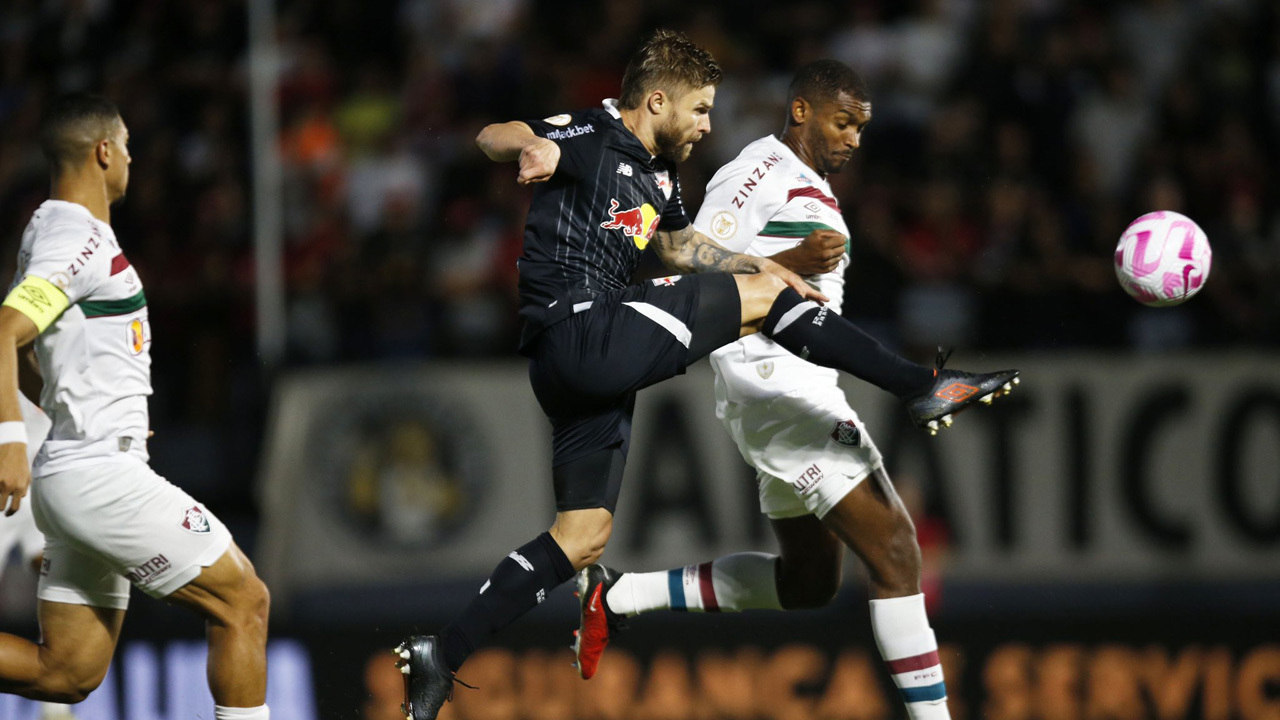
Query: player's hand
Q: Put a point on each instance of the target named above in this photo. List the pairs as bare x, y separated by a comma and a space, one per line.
796, 282
819, 252
538, 161
15, 476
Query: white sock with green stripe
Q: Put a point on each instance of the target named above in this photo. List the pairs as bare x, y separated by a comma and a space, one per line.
742, 581
909, 647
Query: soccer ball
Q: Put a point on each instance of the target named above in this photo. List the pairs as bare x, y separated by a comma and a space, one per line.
1163, 258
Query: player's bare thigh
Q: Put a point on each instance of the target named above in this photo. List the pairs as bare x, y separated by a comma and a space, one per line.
227, 590
757, 294
77, 644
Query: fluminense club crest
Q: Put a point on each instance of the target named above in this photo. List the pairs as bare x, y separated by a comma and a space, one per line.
195, 521
846, 432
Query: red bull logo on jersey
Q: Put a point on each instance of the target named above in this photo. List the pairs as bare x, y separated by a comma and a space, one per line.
195, 521
639, 224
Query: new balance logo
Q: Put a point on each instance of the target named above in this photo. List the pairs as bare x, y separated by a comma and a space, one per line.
956, 392
524, 563
624, 169
542, 595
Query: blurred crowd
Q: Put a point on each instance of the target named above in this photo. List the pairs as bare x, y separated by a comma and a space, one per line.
1012, 141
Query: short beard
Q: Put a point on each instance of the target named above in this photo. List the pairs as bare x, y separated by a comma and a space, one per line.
670, 146
679, 154
835, 168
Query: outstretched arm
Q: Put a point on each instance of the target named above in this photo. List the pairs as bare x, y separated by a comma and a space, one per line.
687, 250
515, 140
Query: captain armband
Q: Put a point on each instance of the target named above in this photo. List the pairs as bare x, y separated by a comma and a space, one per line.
38, 299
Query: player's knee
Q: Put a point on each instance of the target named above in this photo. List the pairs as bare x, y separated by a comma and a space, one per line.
242, 605
81, 690
906, 548
591, 556
588, 549
901, 563
70, 685
756, 294
257, 600
760, 287
252, 605
582, 535
809, 596
824, 589
814, 588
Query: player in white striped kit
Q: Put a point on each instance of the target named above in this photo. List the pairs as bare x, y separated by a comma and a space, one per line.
108, 519
821, 479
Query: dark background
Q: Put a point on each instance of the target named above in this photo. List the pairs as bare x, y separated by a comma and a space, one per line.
1011, 143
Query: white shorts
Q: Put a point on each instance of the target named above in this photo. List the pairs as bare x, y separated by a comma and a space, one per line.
20, 531
808, 452
117, 523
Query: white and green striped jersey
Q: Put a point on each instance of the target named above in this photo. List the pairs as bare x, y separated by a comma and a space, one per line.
762, 202
95, 358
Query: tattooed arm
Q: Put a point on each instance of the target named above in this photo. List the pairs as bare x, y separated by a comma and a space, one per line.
689, 251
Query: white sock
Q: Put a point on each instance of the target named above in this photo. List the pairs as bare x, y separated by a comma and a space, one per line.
909, 647
742, 581
55, 711
235, 713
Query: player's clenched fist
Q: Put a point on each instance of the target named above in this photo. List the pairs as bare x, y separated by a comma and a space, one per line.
819, 252
538, 161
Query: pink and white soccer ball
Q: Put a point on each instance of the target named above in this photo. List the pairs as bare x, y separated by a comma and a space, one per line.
1163, 258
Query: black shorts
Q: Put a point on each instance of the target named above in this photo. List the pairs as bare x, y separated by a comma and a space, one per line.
586, 369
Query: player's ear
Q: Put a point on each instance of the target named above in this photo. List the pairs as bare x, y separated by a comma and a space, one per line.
800, 111
102, 153
657, 102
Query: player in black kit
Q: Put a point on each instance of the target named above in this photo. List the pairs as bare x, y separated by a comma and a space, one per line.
607, 188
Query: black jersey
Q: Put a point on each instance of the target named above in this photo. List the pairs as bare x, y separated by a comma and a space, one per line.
589, 223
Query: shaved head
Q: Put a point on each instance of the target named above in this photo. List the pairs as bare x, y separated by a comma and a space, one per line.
74, 125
